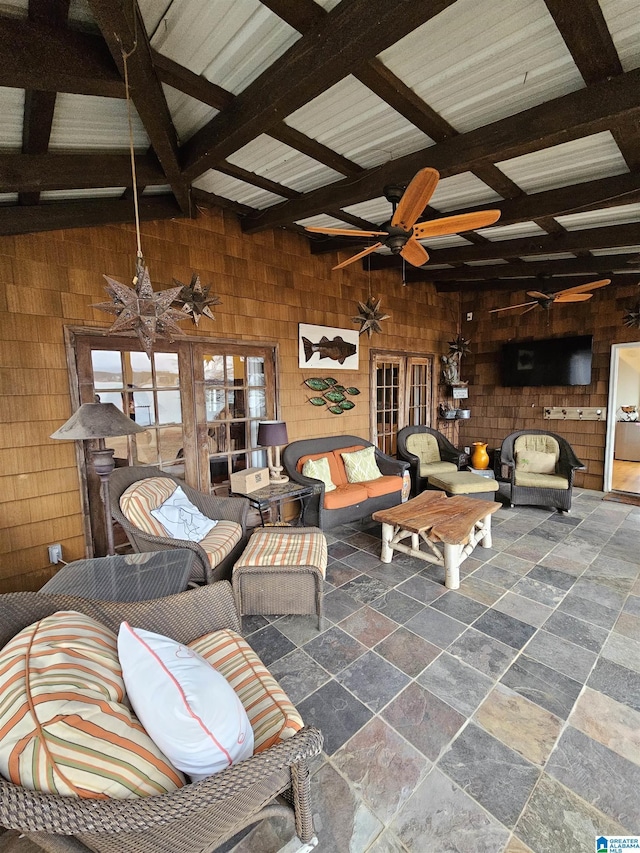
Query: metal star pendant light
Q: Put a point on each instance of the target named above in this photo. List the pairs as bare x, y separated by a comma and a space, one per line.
138, 308
195, 299
369, 314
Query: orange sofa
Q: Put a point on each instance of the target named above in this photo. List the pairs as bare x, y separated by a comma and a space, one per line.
348, 501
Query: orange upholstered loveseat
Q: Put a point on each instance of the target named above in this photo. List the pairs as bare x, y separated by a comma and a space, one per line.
348, 501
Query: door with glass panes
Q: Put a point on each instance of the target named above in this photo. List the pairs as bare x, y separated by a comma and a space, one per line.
401, 394
199, 402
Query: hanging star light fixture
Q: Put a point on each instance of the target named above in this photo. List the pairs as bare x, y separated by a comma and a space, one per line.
370, 316
632, 317
195, 299
138, 308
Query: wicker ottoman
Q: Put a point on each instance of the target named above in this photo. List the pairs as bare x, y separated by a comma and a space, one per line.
281, 571
464, 483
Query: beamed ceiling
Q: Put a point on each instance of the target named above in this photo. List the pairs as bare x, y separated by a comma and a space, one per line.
299, 112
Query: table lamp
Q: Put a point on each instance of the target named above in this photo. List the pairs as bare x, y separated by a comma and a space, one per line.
272, 435
99, 421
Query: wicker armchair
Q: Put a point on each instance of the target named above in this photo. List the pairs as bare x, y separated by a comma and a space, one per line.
428, 452
229, 509
539, 489
196, 818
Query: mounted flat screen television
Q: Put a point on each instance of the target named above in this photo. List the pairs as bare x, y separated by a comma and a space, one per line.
554, 361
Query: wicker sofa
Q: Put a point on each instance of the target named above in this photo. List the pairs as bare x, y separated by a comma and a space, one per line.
196, 817
349, 501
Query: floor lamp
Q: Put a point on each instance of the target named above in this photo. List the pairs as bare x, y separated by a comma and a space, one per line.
272, 435
99, 421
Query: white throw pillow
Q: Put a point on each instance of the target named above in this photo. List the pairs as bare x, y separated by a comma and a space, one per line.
319, 470
181, 519
187, 707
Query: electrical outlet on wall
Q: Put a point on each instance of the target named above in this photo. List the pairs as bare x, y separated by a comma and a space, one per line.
469, 315
55, 553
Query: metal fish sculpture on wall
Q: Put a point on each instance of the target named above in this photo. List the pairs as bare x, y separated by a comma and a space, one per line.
336, 349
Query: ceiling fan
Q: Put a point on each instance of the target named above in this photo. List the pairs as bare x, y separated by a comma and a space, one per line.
401, 233
546, 300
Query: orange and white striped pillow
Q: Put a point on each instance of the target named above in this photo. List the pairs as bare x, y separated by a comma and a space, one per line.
271, 713
141, 497
63, 726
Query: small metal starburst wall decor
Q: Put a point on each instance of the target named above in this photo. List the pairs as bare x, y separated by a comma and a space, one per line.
632, 317
370, 316
139, 309
196, 299
460, 345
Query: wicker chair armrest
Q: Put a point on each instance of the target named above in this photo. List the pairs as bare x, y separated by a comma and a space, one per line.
33, 811
390, 466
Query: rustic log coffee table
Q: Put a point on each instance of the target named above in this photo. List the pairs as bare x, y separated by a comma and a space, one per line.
460, 523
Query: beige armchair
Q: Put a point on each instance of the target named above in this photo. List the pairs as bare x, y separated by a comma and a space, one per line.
428, 452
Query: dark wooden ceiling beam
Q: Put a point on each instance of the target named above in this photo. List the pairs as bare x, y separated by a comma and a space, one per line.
564, 266
519, 284
194, 85
54, 59
202, 197
51, 216
122, 28
256, 180
563, 119
299, 14
353, 31
294, 139
57, 171
584, 30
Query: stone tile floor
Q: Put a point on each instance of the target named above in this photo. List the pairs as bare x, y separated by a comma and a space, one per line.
500, 718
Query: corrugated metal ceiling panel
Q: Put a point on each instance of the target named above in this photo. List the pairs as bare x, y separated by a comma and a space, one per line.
232, 188
280, 163
623, 21
626, 213
558, 256
509, 232
228, 42
481, 60
353, 121
98, 192
461, 190
574, 162
188, 114
323, 221
91, 123
12, 112
487, 263
445, 242
618, 250
376, 210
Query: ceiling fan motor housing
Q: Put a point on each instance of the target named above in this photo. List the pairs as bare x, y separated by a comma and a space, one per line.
397, 238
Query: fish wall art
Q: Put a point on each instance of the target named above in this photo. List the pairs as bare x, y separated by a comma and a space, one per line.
327, 346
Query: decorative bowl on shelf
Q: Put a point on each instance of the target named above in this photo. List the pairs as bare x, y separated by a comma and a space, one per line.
463, 414
449, 414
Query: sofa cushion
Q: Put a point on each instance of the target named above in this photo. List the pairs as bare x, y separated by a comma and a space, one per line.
181, 519
360, 466
348, 494
383, 486
272, 715
319, 469
189, 708
437, 468
64, 725
541, 481
336, 467
424, 446
141, 497
221, 540
535, 462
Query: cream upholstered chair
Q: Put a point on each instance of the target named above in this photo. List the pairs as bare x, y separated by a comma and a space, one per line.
428, 452
197, 817
135, 490
541, 467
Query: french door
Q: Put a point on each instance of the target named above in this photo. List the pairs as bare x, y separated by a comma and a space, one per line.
402, 395
200, 403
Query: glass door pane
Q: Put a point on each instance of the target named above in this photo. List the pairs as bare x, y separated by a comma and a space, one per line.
389, 373
419, 392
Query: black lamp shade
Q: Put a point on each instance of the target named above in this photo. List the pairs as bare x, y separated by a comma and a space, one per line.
272, 433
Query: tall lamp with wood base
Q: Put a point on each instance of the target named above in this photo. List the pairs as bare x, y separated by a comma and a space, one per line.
99, 421
272, 435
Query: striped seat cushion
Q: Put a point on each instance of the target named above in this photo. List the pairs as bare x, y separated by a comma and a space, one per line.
221, 540
64, 727
268, 548
141, 497
272, 715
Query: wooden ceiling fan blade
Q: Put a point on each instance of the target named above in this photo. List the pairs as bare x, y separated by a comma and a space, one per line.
415, 198
344, 232
592, 285
453, 224
528, 309
538, 294
357, 257
414, 253
511, 307
573, 297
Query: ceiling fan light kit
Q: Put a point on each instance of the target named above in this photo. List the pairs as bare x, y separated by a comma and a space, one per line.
403, 232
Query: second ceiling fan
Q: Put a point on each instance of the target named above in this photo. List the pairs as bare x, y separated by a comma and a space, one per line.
546, 300
401, 233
